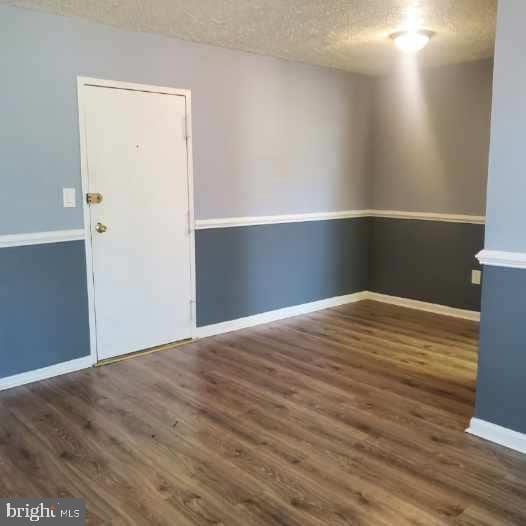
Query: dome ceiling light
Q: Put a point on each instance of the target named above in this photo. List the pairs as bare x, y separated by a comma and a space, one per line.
412, 41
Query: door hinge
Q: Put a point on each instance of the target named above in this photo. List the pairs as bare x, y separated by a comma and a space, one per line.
192, 303
185, 128
189, 221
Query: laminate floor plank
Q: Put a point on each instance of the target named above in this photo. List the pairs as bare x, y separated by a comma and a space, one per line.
349, 416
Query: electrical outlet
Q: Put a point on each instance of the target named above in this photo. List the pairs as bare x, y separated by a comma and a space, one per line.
476, 276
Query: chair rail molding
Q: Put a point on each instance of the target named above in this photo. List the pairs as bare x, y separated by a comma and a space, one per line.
227, 222
41, 238
430, 216
499, 258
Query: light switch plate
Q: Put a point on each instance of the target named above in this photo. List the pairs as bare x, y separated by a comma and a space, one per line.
70, 199
476, 276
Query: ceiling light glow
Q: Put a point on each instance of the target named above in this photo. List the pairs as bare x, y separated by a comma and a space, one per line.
411, 41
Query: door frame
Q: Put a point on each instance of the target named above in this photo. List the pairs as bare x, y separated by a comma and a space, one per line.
82, 84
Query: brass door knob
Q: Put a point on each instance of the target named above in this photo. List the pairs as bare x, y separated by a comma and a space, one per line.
100, 228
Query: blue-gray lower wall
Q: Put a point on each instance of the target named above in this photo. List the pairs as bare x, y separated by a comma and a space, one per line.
43, 306
247, 270
501, 385
242, 271
425, 260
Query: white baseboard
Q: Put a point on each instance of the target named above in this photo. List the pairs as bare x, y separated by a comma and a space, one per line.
46, 372
296, 310
422, 305
279, 314
249, 321
497, 434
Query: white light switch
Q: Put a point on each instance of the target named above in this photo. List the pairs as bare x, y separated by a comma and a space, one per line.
70, 200
476, 276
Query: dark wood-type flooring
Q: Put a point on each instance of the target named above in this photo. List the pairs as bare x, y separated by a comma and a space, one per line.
349, 416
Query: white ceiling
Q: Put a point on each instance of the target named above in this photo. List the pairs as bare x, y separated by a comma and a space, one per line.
352, 35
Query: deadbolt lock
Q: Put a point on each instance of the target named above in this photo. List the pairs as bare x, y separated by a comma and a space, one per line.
94, 198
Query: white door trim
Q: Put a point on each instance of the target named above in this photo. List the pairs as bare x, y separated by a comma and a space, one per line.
82, 83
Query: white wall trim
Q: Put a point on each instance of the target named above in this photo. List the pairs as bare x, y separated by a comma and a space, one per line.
425, 306
297, 310
274, 315
41, 238
250, 321
493, 257
498, 258
228, 222
46, 372
497, 434
429, 216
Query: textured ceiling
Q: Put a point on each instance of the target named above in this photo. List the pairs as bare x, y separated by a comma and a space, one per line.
352, 35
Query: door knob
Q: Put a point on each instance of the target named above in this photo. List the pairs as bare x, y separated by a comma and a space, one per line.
100, 228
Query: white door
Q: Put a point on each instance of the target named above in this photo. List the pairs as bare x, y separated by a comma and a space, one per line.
137, 160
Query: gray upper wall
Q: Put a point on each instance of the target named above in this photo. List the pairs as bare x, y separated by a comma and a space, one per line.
431, 131
506, 207
269, 136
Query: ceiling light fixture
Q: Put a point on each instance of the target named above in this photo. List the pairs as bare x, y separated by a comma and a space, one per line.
412, 41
